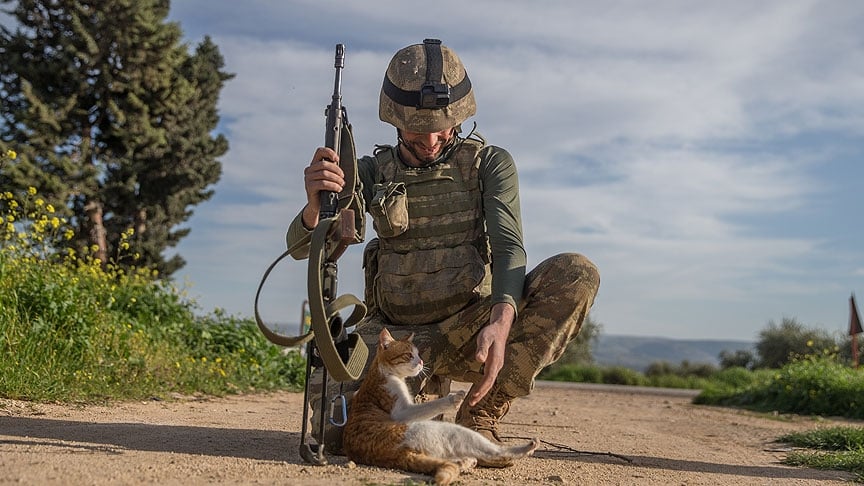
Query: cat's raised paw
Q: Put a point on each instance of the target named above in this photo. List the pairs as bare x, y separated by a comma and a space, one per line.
457, 397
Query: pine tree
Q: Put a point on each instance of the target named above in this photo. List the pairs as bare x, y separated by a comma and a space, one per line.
112, 117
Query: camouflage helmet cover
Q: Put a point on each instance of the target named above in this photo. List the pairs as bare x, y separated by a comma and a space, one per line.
426, 89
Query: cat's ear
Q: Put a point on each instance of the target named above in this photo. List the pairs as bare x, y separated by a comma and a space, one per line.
409, 338
385, 338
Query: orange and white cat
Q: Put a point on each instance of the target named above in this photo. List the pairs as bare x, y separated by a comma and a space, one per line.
386, 428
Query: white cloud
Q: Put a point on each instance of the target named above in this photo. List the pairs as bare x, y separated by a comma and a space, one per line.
667, 142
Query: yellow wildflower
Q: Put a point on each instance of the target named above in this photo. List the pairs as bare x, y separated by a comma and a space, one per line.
11, 154
49, 208
31, 190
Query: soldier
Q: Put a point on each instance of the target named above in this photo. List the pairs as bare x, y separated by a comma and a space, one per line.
448, 263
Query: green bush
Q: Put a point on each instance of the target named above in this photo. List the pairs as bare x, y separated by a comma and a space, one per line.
815, 385
75, 328
734, 377
578, 373
619, 375
677, 381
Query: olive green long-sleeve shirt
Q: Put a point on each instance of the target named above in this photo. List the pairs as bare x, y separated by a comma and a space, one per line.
501, 210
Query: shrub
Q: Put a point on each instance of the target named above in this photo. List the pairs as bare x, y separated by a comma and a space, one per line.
75, 328
575, 373
815, 385
619, 375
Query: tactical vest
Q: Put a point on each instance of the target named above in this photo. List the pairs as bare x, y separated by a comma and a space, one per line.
439, 264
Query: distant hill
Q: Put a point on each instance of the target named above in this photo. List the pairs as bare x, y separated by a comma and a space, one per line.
638, 353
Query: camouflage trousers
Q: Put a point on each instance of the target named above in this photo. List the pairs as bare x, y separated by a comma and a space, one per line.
557, 296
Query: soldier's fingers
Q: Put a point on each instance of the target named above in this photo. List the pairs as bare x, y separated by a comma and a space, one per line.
482, 389
483, 345
324, 153
322, 179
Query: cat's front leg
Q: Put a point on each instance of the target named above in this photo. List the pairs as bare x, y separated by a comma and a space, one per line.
428, 410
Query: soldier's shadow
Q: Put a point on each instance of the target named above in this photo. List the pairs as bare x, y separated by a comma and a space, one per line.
114, 438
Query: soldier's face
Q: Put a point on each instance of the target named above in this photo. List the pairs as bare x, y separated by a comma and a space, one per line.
425, 147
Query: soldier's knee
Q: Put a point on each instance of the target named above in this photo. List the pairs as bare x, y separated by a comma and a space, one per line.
579, 267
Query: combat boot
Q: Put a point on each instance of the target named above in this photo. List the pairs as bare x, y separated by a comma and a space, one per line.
484, 417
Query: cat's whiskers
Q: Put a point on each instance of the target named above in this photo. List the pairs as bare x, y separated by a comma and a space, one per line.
425, 372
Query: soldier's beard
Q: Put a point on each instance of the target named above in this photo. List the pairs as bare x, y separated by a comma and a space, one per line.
427, 155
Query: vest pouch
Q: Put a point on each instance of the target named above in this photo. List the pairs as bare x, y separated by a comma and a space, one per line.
389, 209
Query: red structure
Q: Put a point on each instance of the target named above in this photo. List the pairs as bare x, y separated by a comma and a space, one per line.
854, 328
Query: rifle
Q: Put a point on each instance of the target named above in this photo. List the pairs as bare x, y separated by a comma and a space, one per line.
341, 223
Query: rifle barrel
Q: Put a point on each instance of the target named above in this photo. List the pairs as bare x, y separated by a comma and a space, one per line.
333, 132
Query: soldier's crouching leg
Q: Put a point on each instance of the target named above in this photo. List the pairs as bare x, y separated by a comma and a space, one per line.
558, 294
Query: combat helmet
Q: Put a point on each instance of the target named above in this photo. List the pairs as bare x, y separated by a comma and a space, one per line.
426, 89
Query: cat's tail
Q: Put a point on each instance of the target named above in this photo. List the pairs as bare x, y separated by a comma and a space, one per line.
524, 450
504, 456
449, 471
446, 473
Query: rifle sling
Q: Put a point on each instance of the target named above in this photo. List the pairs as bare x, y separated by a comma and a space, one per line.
321, 314
348, 231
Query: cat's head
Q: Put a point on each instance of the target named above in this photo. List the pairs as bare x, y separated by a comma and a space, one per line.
398, 357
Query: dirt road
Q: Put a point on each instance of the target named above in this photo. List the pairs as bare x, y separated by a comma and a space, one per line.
592, 436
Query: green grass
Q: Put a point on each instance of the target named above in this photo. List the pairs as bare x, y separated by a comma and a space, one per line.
838, 448
75, 329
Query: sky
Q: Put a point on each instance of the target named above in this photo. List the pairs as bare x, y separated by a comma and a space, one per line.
707, 156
